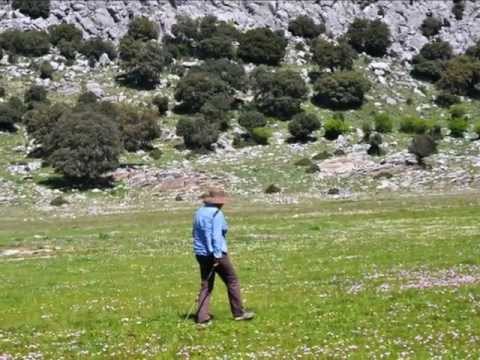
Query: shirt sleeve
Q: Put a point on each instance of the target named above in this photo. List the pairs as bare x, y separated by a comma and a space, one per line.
217, 235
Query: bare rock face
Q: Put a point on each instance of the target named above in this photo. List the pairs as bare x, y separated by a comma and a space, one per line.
109, 18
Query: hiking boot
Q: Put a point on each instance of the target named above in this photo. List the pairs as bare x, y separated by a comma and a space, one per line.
247, 315
204, 324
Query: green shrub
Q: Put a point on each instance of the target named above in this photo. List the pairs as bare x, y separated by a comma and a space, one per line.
156, 154
322, 156
332, 56
35, 95
9, 116
87, 97
59, 201
252, 119
84, 145
215, 48
65, 32
46, 70
143, 66
29, 43
33, 8
383, 123
138, 128
422, 146
334, 128
303, 125
262, 46
370, 36
458, 126
341, 90
304, 162
375, 141
461, 76
68, 49
143, 29
367, 129
445, 99
161, 103
196, 88
474, 50
228, 71
94, 48
261, 135
429, 70
197, 133
280, 93
457, 111
41, 121
437, 50
414, 125
431, 26
272, 189
3, 92
215, 110
305, 27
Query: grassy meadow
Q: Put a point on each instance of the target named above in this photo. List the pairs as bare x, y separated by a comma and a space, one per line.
377, 279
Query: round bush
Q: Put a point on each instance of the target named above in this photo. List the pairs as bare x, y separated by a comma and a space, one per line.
458, 9
9, 116
457, 111
84, 146
445, 100
215, 110
228, 71
143, 29
35, 95
341, 90
33, 8
370, 36
334, 127
429, 70
3, 92
161, 103
252, 119
431, 26
87, 97
46, 70
41, 121
94, 48
261, 135
67, 49
262, 46
215, 48
197, 133
414, 125
30, 43
305, 27
282, 107
138, 128
458, 126
383, 123
331, 56
196, 88
303, 125
437, 50
65, 32
461, 76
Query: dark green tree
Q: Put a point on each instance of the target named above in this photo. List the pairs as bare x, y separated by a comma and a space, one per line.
33, 8
303, 125
262, 46
370, 36
305, 27
143, 29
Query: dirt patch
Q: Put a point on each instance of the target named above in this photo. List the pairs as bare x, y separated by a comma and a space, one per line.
22, 253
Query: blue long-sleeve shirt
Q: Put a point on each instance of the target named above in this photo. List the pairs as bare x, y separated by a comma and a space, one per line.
209, 232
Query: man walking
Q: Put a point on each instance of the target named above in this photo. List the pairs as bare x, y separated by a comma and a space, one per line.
210, 247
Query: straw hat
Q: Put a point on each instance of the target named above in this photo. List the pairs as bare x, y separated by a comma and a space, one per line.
215, 196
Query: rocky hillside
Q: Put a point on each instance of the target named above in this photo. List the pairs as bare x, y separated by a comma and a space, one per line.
110, 18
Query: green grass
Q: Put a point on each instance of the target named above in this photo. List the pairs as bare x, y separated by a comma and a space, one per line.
327, 279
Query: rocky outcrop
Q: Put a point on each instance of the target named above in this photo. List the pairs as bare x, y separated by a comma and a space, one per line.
109, 18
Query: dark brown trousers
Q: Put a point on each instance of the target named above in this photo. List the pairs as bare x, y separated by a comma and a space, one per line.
227, 273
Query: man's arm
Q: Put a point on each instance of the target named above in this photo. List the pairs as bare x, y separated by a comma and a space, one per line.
217, 235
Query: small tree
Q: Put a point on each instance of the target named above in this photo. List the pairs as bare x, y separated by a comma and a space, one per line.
461, 76
331, 56
198, 134
196, 88
28, 43
65, 32
227, 70
94, 48
46, 70
41, 121
305, 27
33, 8
370, 36
161, 103
138, 128
341, 90
216, 47
431, 26
383, 123
262, 46
143, 29
437, 50
303, 125
9, 116
422, 146
251, 119
84, 146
